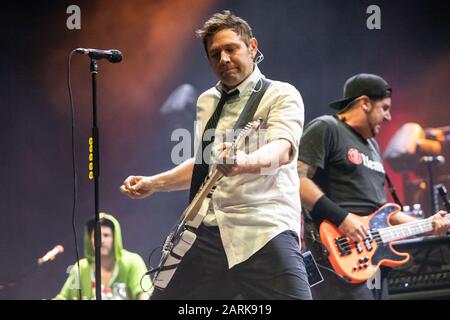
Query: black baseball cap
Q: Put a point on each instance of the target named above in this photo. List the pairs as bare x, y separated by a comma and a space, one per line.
362, 84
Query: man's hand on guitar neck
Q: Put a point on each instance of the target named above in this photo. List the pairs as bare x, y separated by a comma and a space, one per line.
441, 225
265, 160
353, 228
230, 163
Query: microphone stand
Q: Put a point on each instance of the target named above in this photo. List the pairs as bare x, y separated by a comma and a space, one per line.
96, 171
443, 193
431, 188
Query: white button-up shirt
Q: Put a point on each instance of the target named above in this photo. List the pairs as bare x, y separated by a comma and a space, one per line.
251, 209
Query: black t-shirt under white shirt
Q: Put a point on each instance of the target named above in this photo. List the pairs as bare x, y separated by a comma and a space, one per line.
349, 168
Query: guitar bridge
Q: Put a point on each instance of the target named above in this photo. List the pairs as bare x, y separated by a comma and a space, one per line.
169, 262
168, 244
343, 246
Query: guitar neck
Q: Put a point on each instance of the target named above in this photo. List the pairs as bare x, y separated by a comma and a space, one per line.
406, 230
196, 203
194, 207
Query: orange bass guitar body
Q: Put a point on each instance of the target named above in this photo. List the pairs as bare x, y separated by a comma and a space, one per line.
357, 262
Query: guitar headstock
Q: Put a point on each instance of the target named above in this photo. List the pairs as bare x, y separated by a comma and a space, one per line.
231, 150
249, 128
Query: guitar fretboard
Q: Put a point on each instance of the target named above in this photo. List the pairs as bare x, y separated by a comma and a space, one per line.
407, 229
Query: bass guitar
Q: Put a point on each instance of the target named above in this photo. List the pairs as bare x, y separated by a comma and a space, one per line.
358, 261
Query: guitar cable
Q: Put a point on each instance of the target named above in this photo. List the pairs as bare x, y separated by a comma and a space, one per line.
142, 287
150, 271
318, 242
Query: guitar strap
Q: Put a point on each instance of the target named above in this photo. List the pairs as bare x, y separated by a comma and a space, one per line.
393, 191
250, 108
246, 116
252, 104
388, 180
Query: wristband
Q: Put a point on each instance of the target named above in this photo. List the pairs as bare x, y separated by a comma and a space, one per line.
324, 208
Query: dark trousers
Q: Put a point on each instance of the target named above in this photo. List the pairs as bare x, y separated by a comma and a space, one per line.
335, 288
274, 272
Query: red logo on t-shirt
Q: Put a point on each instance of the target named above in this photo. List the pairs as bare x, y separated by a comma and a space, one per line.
354, 156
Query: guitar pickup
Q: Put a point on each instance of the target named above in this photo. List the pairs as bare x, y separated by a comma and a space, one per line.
343, 246
359, 247
368, 245
210, 193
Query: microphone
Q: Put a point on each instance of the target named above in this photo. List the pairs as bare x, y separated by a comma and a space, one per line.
51, 254
432, 159
112, 55
443, 193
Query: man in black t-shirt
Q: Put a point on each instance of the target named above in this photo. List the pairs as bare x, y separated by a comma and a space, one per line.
342, 174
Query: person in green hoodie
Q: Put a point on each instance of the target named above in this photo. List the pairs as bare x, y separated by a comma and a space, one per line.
122, 271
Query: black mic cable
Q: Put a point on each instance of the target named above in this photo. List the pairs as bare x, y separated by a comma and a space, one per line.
74, 173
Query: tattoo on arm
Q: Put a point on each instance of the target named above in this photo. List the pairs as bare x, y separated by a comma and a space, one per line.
305, 170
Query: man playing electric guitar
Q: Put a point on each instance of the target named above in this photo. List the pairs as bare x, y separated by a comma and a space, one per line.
248, 242
342, 175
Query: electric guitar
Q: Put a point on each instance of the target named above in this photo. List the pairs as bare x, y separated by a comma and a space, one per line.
182, 236
358, 261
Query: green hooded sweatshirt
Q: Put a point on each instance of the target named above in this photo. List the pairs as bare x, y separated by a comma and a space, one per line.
125, 282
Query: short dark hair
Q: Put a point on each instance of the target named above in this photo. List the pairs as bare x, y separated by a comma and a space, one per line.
103, 222
221, 21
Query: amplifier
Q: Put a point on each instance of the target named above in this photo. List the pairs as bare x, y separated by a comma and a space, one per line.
427, 275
